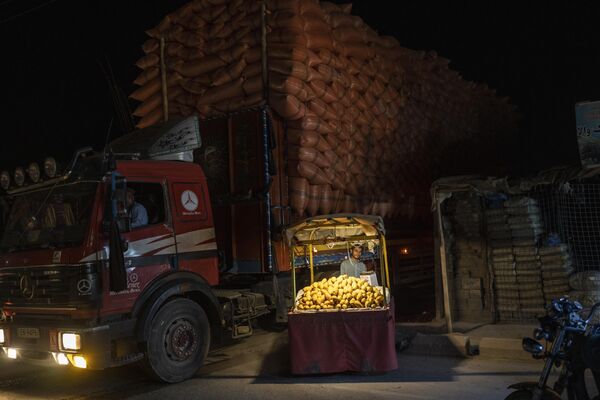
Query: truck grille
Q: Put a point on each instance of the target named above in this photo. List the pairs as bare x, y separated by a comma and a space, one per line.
56, 285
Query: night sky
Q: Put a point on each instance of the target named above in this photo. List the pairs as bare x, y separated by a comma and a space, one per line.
56, 98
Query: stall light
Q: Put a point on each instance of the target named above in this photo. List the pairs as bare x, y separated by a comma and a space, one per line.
405, 250
50, 167
34, 172
79, 362
2, 336
11, 353
5, 180
62, 359
19, 176
70, 341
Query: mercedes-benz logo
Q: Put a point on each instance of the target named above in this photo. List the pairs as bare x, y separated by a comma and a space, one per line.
189, 200
27, 286
84, 286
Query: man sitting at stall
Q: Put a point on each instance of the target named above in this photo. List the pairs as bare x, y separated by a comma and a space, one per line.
353, 266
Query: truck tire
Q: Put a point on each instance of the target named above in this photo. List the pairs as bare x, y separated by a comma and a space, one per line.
178, 341
520, 395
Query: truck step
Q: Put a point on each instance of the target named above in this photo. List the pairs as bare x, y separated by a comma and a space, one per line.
127, 359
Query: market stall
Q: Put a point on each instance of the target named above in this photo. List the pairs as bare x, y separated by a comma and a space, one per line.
340, 323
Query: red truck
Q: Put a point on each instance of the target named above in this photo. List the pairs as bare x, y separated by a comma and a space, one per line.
83, 286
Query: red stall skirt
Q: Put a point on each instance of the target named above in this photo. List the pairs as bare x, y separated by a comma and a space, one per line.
328, 342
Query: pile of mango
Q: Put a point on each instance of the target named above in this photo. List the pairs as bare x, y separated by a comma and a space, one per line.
342, 292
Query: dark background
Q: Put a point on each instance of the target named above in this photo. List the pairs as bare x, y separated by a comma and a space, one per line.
56, 98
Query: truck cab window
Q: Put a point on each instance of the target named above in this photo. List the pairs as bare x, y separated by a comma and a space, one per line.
145, 204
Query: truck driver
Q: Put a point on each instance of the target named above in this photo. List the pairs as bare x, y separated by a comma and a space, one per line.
137, 212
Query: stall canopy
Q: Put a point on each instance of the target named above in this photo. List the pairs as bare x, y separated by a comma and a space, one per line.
335, 227
444, 187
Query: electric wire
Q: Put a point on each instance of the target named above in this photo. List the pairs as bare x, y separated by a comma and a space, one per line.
30, 10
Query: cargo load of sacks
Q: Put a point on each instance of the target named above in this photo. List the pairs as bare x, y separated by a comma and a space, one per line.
366, 119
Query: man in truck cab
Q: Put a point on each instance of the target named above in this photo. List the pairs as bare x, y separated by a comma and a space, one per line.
137, 212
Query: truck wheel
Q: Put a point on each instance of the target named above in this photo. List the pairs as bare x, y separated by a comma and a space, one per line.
522, 394
178, 341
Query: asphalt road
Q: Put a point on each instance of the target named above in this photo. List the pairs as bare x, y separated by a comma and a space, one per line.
257, 369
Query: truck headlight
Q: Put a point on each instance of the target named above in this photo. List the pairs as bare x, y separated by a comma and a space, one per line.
79, 362
70, 341
2, 336
12, 354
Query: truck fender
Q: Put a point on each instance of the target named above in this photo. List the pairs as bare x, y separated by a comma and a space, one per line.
530, 386
178, 284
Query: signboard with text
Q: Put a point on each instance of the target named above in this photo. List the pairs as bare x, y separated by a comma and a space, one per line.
587, 117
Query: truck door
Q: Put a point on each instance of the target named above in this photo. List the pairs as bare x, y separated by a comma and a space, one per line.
195, 232
150, 243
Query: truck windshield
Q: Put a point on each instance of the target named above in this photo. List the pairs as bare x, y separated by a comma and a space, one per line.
47, 218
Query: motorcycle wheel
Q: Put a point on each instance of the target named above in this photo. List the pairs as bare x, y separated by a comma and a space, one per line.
520, 395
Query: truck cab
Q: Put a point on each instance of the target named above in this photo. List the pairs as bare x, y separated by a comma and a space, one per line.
82, 284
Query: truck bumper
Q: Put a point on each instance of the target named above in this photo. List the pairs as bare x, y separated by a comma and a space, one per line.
41, 344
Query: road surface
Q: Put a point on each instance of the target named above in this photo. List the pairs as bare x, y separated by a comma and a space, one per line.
257, 369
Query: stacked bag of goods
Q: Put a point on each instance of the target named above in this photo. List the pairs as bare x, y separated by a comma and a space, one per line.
586, 287
502, 263
526, 275
468, 263
212, 61
339, 293
526, 229
513, 231
369, 123
524, 220
556, 269
527, 266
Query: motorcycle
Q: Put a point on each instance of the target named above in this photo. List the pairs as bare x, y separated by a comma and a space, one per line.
574, 347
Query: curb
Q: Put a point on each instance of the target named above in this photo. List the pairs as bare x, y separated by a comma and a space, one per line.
448, 345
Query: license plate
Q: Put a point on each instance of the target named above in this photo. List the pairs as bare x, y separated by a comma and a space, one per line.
28, 333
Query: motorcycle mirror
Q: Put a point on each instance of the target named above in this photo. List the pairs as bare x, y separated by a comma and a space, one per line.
539, 334
532, 346
557, 306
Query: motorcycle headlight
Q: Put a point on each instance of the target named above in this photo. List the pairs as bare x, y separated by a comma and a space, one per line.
532, 346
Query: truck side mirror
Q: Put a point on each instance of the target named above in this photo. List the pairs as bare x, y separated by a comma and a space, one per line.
118, 204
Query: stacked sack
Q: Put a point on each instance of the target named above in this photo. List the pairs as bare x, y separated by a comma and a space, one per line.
528, 270
468, 266
340, 105
212, 60
526, 229
524, 219
513, 230
527, 276
369, 123
586, 287
502, 263
556, 269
